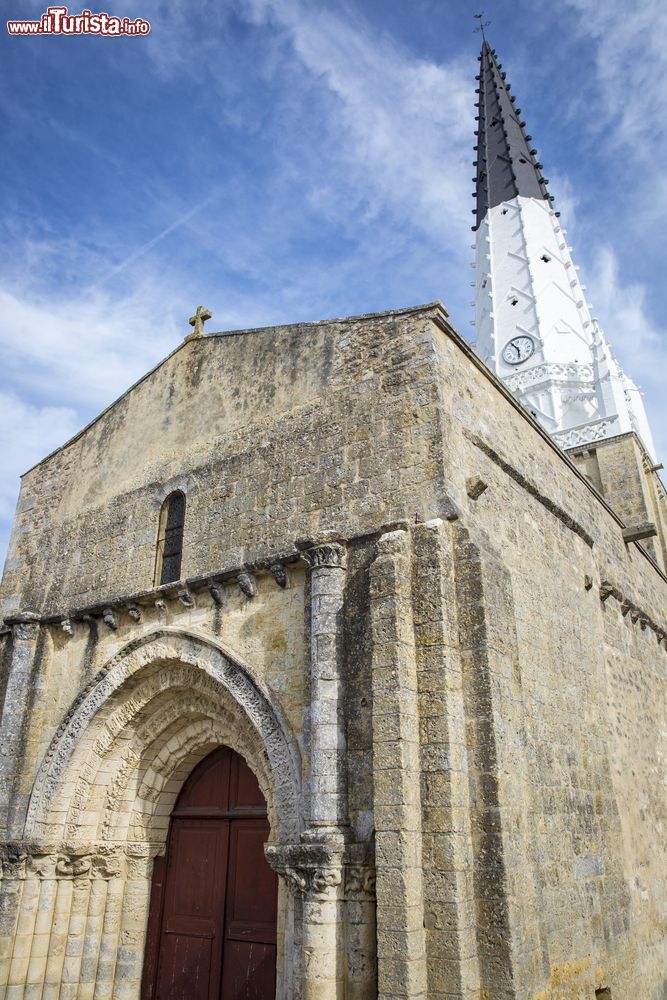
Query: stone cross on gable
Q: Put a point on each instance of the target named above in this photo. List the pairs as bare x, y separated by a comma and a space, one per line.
197, 321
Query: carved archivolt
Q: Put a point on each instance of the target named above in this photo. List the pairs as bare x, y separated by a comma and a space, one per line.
144, 720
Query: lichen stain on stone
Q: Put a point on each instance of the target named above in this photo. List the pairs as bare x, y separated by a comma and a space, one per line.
570, 980
277, 642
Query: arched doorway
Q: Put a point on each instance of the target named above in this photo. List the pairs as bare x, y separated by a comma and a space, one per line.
212, 918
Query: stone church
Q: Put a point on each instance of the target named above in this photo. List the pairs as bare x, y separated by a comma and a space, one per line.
333, 656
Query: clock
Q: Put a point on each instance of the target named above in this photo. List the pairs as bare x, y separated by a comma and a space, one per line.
518, 349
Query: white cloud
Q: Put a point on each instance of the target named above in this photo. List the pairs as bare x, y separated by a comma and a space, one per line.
403, 124
640, 346
630, 61
27, 433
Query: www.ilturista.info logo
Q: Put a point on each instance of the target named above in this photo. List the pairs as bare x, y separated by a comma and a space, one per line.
57, 21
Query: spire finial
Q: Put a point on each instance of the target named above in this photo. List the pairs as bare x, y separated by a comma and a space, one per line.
482, 24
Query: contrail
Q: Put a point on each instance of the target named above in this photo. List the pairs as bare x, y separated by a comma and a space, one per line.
156, 239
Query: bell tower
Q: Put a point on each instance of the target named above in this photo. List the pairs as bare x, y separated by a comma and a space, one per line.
533, 325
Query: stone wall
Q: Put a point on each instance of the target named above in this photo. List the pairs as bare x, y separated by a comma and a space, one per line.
410, 613
288, 432
623, 472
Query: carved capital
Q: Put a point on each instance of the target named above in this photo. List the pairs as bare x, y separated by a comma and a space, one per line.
324, 879
360, 883
330, 555
14, 865
67, 867
51, 863
311, 869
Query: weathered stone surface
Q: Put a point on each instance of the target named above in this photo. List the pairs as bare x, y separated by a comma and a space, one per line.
410, 614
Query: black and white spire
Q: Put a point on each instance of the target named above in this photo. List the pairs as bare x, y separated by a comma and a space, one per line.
534, 326
506, 162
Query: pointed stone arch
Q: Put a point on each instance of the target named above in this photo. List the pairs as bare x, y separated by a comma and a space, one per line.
133, 734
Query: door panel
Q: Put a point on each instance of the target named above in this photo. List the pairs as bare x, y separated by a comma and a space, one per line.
191, 945
213, 905
249, 957
251, 884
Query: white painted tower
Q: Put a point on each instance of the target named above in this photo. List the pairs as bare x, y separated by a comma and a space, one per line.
533, 324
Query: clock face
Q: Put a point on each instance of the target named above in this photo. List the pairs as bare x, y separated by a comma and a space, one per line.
518, 349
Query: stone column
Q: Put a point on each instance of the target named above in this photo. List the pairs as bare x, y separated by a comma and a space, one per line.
324, 840
315, 871
328, 780
401, 945
25, 635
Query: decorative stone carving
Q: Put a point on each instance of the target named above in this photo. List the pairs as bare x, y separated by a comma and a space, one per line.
326, 554
295, 878
134, 612
324, 879
110, 619
247, 584
73, 867
67, 627
360, 883
197, 322
14, 865
99, 863
314, 868
597, 431
161, 605
557, 372
186, 598
279, 574
216, 594
216, 670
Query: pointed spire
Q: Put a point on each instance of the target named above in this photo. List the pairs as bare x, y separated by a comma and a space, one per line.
506, 163
533, 324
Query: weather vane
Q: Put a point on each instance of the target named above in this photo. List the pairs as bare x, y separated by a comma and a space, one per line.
482, 24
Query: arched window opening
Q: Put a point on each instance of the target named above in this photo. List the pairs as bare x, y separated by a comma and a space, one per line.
170, 539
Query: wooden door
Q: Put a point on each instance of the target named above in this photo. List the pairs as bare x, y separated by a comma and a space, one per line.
212, 922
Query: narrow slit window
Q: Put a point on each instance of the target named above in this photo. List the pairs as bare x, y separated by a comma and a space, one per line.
170, 539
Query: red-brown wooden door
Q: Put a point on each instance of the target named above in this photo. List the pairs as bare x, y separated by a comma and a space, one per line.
212, 922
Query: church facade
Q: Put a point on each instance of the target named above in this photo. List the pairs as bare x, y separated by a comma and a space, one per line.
327, 674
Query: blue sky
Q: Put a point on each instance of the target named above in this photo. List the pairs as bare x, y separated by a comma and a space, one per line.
282, 161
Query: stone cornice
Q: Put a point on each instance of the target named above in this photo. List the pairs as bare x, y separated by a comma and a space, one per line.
183, 590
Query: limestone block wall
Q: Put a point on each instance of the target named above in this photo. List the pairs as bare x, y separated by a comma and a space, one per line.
414, 618
624, 473
552, 566
273, 435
